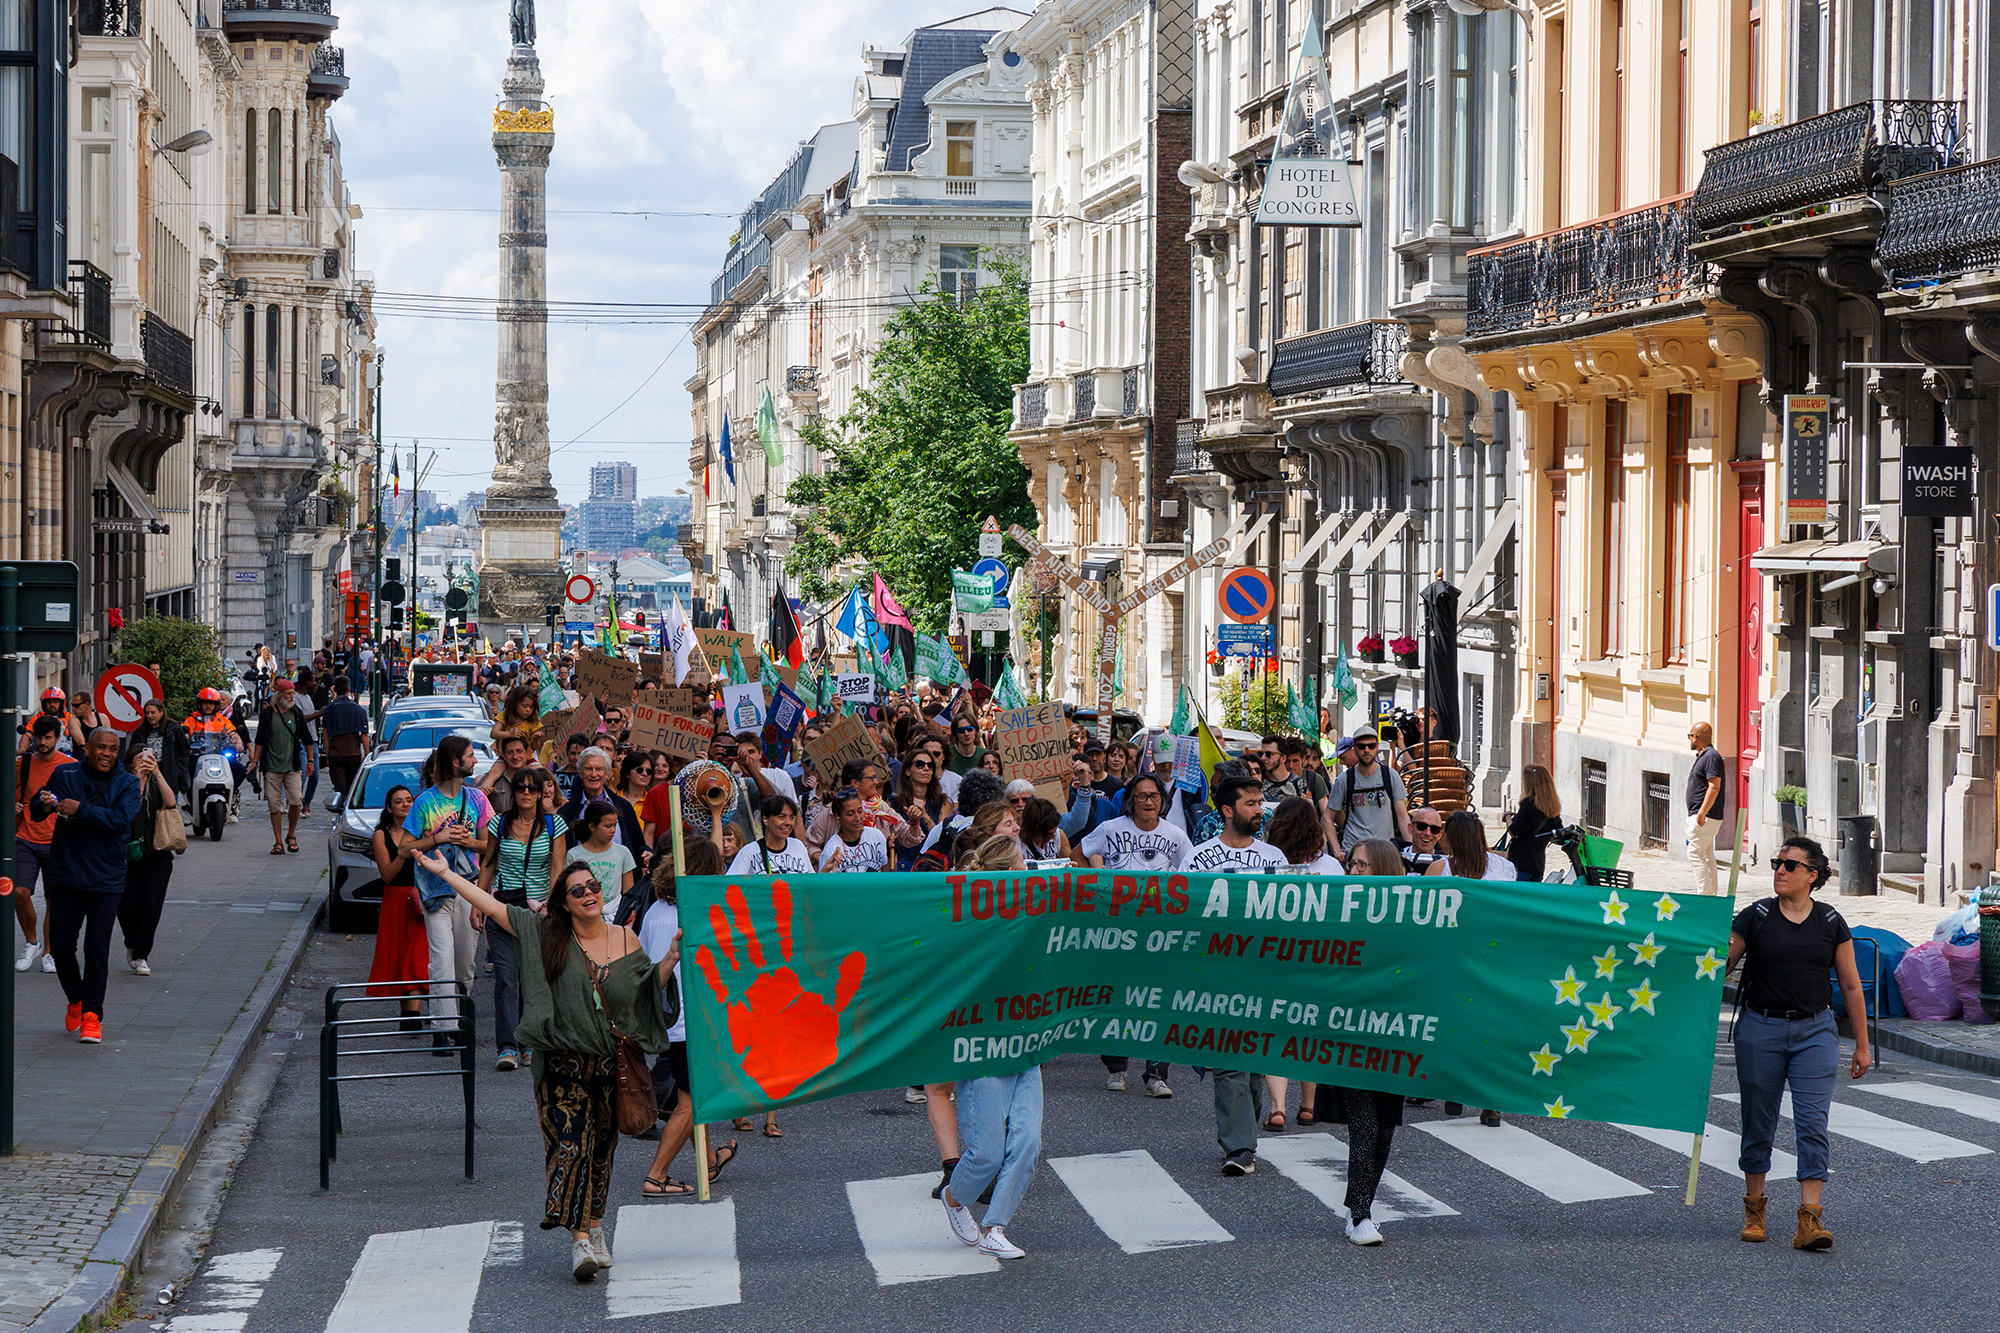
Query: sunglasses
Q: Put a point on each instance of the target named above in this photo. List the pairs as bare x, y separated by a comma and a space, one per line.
1364, 745
921, 763
532, 788
1789, 863
1428, 828
584, 888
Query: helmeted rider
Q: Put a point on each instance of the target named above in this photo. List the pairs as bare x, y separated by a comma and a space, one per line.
210, 731
55, 704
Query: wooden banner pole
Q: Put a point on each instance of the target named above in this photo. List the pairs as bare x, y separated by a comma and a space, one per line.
1735, 869
680, 869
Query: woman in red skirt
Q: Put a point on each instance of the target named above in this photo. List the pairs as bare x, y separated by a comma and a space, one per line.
402, 950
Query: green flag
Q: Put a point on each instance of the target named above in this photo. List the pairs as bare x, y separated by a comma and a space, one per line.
737, 674
1007, 690
1343, 680
1556, 1001
972, 592
552, 697
1292, 709
890, 672
930, 655
1179, 725
767, 429
1309, 710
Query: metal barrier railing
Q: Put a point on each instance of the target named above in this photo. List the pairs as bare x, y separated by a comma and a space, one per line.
337, 1030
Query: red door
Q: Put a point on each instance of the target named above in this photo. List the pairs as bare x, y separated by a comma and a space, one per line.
1750, 642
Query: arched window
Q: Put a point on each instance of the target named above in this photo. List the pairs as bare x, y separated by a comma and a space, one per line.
250, 160
274, 161
250, 347
298, 198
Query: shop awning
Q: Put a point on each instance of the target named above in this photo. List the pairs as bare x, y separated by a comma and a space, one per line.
1823, 557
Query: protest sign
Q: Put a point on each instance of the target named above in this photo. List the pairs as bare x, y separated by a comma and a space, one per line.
743, 707
848, 738
686, 703
651, 665
781, 723
683, 737
1566, 1001
648, 713
556, 733
717, 644
854, 687
586, 720
1033, 743
610, 680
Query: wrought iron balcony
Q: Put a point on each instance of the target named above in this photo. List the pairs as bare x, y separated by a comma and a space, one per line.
1367, 353
802, 379
169, 354
306, 20
111, 18
1835, 156
1129, 387
1083, 395
1942, 225
1190, 459
329, 72
1624, 262
1034, 405
90, 288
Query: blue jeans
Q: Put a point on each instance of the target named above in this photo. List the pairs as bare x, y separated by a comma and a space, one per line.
1774, 1052
505, 952
1000, 1122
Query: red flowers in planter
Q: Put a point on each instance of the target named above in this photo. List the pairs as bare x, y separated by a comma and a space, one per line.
1403, 646
1369, 643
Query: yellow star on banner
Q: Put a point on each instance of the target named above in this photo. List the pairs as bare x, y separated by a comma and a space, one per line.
1545, 1060
1614, 909
1707, 965
1607, 962
1645, 951
1569, 988
1664, 907
1579, 1037
1643, 997
1603, 1011
1558, 1109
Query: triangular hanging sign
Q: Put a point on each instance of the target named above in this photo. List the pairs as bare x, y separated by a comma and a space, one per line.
1307, 183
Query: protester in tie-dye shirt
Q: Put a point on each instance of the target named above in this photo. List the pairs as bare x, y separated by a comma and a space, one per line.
449, 818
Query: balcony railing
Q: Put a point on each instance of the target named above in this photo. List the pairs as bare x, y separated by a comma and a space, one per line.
752, 257
111, 18
1623, 262
802, 379
280, 6
169, 354
1034, 404
90, 288
329, 60
1835, 156
1083, 395
1368, 353
1129, 392
1942, 225
1190, 459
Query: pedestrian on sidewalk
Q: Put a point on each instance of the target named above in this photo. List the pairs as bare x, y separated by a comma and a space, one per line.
1790, 947
34, 829
450, 813
402, 960
1371, 1117
1707, 804
283, 753
1538, 815
518, 864
345, 723
589, 986
95, 803
146, 878
657, 936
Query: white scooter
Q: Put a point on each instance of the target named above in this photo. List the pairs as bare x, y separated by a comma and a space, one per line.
214, 782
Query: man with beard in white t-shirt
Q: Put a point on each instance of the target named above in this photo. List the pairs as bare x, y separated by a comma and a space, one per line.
1144, 843
855, 847
1236, 850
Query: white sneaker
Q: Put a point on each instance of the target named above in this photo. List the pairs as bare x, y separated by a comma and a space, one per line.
995, 1243
1157, 1087
48, 962
915, 1096
235, 818
142, 967
582, 1260
1364, 1232
29, 953
600, 1247
962, 1225
1116, 1082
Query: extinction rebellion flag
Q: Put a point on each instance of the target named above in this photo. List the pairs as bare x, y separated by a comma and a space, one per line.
1560, 1000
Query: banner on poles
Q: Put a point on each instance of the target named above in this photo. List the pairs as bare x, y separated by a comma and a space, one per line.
1561, 1000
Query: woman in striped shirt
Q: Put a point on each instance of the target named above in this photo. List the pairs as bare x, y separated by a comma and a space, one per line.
524, 849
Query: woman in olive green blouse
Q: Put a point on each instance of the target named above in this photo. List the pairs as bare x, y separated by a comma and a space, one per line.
593, 977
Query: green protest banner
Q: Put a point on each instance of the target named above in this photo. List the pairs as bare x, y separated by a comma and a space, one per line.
1560, 1000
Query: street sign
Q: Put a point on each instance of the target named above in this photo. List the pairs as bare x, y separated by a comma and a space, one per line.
989, 539
455, 599
1245, 595
1937, 482
46, 606
580, 589
122, 694
392, 593
993, 570
987, 620
1243, 640
246, 576
1808, 418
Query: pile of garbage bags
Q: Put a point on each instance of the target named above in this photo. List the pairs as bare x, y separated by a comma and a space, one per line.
1939, 979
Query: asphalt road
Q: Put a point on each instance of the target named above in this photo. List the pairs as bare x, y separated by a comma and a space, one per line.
1537, 1226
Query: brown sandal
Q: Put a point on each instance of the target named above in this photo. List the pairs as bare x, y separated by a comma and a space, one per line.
1275, 1122
771, 1131
669, 1188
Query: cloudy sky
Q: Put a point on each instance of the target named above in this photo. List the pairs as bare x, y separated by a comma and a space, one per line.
676, 107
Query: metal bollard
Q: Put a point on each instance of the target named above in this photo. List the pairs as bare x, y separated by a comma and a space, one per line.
1859, 862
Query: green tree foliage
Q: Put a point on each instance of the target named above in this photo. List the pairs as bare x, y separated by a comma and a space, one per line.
1254, 700
922, 458
189, 653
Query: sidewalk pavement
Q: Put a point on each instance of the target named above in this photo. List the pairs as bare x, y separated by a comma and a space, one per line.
103, 1133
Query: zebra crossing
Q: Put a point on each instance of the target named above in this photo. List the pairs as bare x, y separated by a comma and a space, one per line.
678, 1257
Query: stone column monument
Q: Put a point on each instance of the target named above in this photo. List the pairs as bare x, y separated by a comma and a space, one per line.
521, 523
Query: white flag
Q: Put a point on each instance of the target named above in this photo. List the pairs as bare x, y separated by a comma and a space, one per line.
677, 638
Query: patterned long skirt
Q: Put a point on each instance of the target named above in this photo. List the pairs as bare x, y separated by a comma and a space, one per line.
577, 1099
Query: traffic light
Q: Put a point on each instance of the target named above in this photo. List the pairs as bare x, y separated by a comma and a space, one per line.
392, 569
395, 617
639, 619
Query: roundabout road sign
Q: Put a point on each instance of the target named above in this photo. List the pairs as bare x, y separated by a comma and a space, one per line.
1245, 595
579, 589
122, 694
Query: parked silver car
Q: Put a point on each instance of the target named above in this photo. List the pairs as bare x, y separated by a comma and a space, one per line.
354, 890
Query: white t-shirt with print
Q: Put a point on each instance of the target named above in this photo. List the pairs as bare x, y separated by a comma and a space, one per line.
1125, 846
1215, 854
871, 852
794, 858
610, 866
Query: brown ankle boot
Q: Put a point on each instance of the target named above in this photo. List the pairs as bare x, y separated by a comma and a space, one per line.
1753, 1218
1813, 1234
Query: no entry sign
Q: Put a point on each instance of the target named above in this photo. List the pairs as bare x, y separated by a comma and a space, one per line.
580, 589
122, 694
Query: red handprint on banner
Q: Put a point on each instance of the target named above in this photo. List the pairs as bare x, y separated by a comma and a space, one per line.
784, 1033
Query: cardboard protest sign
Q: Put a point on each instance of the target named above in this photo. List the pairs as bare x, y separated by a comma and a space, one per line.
699, 673
854, 687
1033, 743
608, 679
651, 666
846, 739
586, 720
648, 714
717, 644
682, 737
785, 672
684, 703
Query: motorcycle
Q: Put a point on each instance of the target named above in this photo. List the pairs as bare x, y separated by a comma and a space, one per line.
214, 782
